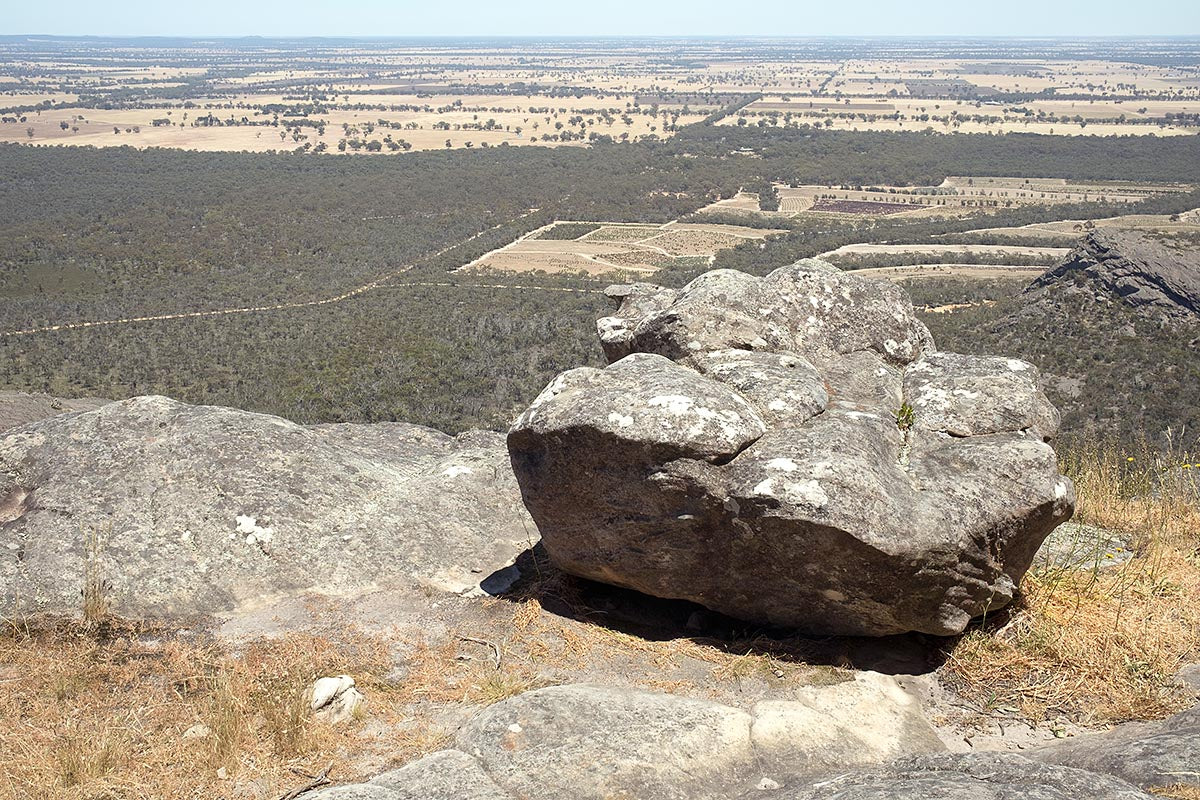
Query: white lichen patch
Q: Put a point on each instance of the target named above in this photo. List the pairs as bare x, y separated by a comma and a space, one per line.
809, 493
255, 534
764, 489
620, 420
676, 404
930, 395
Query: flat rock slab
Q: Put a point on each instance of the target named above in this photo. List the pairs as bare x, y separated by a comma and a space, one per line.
1075, 546
22, 408
585, 742
169, 509
982, 776
860, 740
1147, 754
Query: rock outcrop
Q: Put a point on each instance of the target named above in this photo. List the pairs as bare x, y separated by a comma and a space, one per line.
161, 508
22, 408
862, 740
793, 450
1146, 272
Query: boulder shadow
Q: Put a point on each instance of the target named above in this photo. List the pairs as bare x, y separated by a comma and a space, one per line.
660, 620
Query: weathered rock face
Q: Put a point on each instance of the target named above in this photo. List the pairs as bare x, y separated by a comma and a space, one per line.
178, 509
743, 451
970, 776
1146, 272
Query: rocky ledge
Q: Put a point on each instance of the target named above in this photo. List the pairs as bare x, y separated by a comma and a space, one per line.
157, 508
863, 740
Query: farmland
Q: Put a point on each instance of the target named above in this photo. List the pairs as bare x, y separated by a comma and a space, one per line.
617, 249
956, 196
394, 97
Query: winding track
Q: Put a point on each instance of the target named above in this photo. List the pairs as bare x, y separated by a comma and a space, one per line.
379, 283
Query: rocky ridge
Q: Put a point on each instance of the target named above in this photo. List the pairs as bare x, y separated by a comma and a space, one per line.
1146, 272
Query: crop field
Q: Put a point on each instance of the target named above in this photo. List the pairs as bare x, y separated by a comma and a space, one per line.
623, 249
370, 124
956, 196
396, 97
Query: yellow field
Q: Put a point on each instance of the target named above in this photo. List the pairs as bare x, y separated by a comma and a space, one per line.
617, 248
438, 96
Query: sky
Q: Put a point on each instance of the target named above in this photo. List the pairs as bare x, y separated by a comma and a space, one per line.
604, 17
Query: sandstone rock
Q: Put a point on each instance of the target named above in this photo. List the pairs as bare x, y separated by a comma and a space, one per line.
179, 509
1147, 754
445, 775
784, 482
335, 699
869, 720
972, 776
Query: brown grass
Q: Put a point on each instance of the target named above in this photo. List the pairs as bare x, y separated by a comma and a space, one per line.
1179, 791
1102, 645
87, 714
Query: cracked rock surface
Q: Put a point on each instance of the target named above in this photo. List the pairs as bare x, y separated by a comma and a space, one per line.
793, 450
173, 509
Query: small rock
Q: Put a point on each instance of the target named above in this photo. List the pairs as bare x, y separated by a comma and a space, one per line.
197, 731
334, 699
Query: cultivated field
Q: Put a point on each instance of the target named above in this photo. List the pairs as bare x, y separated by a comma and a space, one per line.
617, 248
393, 97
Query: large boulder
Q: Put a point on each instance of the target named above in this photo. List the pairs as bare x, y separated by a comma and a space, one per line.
793, 450
155, 507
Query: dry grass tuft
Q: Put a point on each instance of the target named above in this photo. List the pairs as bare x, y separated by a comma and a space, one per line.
1102, 645
1179, 791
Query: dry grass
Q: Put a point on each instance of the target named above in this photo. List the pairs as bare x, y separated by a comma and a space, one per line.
1102, 645
1179, 791
100, 712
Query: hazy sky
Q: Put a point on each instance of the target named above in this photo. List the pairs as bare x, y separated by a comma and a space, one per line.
603, 17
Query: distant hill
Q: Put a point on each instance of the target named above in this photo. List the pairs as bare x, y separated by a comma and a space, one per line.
1115, 328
